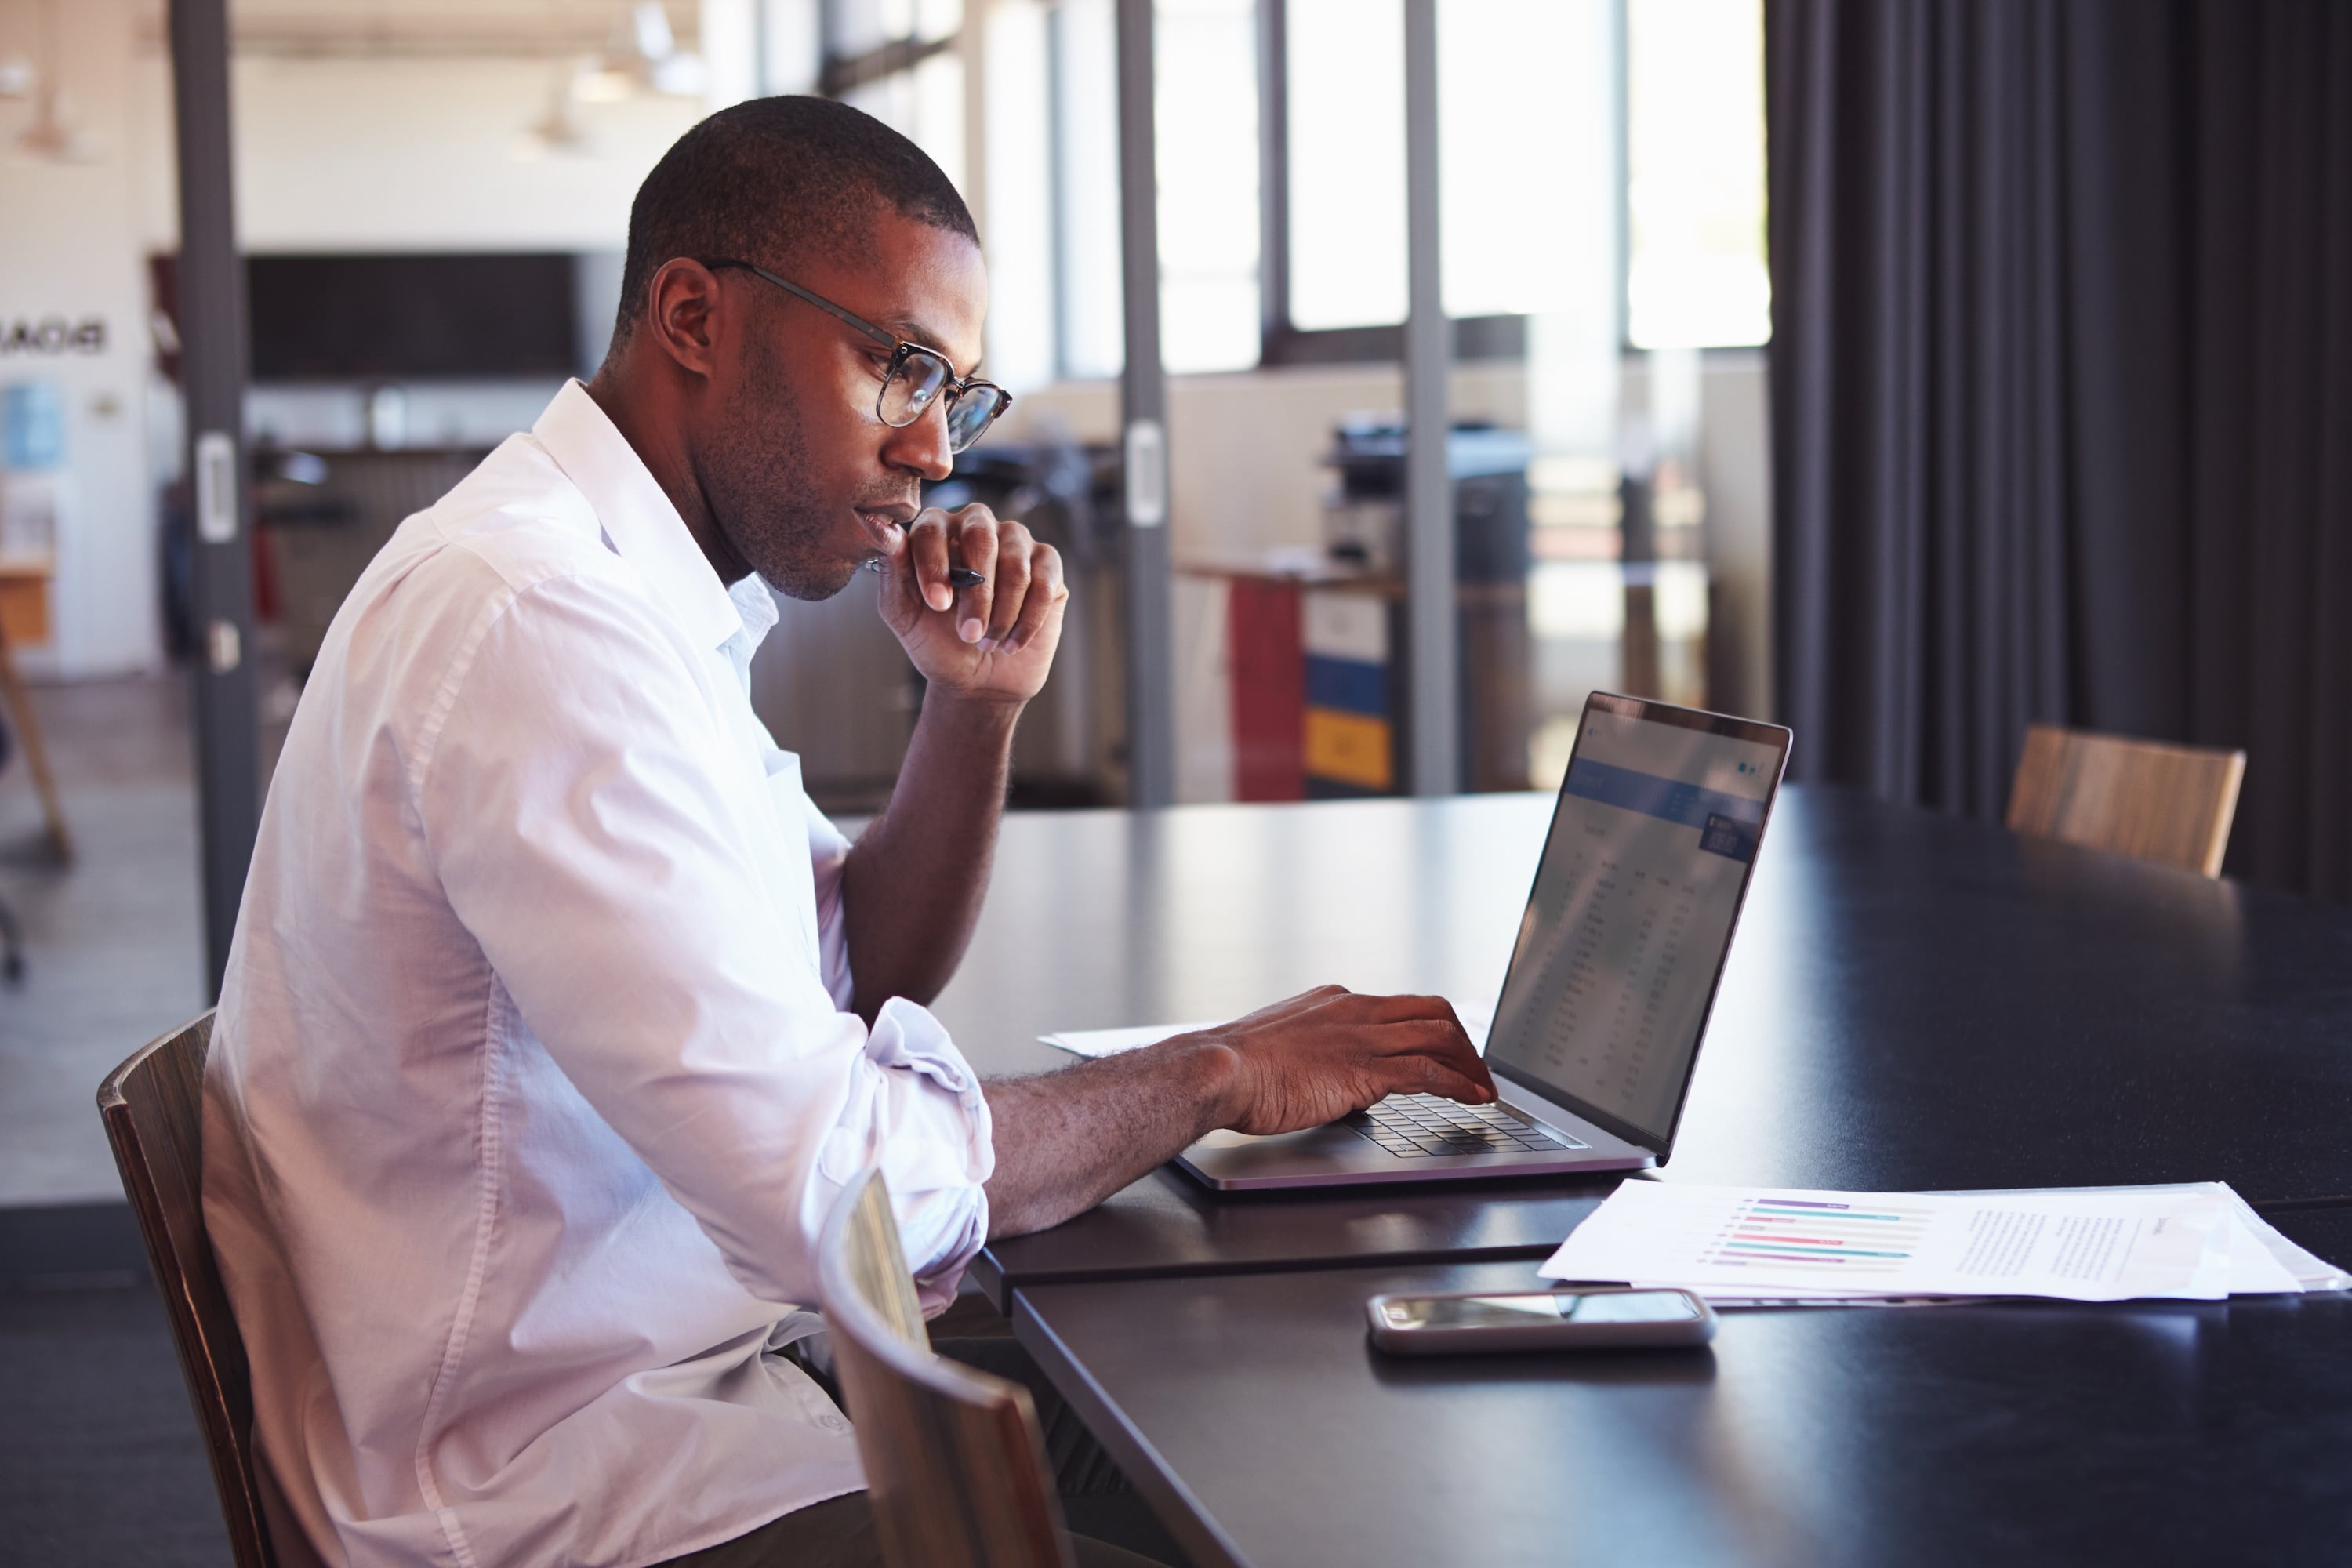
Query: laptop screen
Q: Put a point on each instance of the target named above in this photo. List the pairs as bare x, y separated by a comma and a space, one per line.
1649, 853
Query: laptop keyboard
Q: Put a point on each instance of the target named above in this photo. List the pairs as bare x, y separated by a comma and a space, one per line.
1423, 1126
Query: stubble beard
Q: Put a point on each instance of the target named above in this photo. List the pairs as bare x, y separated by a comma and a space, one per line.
761, 494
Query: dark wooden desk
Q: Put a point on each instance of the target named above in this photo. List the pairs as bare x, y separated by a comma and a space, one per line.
1912, 1002
1098, 918
1264, 1430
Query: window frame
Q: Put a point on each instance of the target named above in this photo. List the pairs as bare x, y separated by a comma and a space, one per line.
842, 74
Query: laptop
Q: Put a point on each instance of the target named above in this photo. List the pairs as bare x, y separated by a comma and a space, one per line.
1652, 846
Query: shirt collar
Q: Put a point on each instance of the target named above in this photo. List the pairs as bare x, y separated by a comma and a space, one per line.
758, 607
644, 527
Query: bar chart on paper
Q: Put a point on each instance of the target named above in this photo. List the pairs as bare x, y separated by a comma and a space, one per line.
1754, 1245
1838, 1241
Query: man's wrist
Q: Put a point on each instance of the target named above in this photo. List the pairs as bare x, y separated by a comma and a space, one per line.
1214, 1076
970, 716
976, 730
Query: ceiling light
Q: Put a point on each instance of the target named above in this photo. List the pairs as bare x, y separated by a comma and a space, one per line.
642, 56
599, 83
558, 130
49, 137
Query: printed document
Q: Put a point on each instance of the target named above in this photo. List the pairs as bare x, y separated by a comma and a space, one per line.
2198, 1242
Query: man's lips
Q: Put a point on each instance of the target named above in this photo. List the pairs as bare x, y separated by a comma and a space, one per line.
879, 522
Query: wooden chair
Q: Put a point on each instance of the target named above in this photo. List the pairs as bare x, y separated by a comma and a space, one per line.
954, 1462
154, 1109
2142, 798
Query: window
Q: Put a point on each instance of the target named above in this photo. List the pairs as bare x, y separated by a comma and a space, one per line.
1345, 126
1528, 155
1540, 171
1017, 228
1092, 321
1053, 218
857, 27
1207, 135
1694, 191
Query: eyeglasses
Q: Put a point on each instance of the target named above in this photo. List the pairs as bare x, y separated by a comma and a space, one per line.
917, 376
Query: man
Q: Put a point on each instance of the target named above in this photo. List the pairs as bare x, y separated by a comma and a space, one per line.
557, 1017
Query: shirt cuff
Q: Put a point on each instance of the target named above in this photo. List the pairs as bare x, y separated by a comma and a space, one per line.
916, 1111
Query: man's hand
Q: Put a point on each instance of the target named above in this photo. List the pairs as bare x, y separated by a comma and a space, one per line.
1328, 1051
994, 642
1066, 1140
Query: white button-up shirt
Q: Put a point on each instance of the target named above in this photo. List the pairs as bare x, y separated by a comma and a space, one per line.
530, 1086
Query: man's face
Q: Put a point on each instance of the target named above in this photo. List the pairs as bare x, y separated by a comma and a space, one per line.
801, 474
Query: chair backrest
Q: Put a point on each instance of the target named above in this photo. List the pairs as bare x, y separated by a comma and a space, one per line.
154, 1109
954, 1464
2142, 798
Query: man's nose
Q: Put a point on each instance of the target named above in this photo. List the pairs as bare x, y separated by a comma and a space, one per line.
923, 446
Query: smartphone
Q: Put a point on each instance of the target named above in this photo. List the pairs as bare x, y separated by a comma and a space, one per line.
1604, 1317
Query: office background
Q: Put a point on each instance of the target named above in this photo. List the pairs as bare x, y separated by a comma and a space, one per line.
1908, 373
424, 204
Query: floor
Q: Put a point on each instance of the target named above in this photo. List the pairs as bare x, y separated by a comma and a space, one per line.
100, 1463
113, 944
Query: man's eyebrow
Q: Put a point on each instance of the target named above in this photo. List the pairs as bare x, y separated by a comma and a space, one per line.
914, 332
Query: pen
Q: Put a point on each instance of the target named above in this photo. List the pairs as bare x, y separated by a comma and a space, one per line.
957, 576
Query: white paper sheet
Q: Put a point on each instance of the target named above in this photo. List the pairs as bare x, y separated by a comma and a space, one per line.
2252, 1237
1476, 1019
1111, 1042
2195, 1242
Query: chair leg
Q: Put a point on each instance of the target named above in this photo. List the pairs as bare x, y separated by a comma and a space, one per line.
12, 946
36, 755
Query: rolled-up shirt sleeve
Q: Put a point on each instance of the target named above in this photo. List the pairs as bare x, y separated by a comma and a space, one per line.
598, 832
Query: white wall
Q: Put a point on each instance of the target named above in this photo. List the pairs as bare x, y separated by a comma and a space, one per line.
417, 154
69, 247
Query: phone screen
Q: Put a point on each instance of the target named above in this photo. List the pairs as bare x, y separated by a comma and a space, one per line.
1515, 1312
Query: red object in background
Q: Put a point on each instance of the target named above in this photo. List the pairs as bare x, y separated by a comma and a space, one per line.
1269, 690
265, 579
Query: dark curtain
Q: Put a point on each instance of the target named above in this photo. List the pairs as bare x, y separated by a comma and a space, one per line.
2062, 385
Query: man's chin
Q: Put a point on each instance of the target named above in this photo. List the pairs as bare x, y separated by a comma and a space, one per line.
810, 580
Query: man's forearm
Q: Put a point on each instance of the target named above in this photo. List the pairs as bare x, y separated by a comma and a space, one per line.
1066, 1140
914, 881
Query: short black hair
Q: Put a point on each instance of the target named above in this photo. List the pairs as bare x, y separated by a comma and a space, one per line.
773, 179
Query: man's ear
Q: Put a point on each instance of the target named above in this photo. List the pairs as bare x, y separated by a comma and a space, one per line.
686, 313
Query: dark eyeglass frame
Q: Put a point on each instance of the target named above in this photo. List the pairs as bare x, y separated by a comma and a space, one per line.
955, 387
